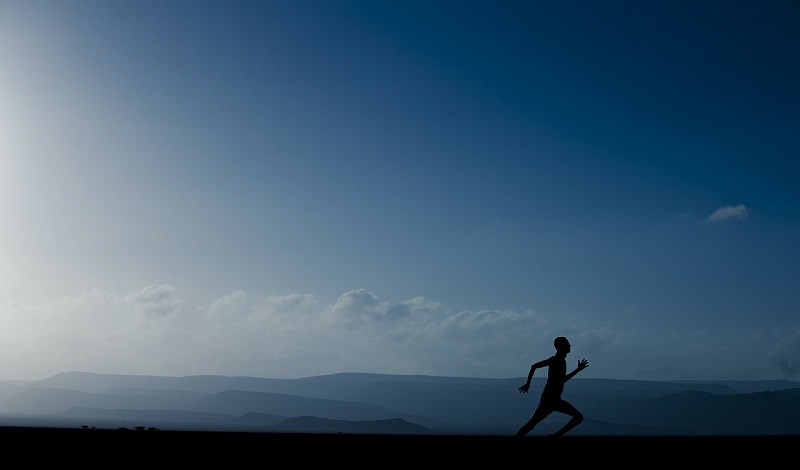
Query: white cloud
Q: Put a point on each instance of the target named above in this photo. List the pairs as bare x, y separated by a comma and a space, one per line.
729, 212
358, 307
157, 300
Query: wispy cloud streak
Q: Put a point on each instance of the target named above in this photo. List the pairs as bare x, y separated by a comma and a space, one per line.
739, 212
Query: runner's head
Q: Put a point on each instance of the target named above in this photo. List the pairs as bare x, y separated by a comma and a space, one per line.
561, 344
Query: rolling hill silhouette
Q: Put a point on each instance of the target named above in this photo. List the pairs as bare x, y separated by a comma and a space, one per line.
395, 404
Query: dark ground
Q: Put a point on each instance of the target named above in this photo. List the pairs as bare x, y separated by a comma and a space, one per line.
90, 447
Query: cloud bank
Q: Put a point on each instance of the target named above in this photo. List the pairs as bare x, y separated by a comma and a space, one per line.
154, 331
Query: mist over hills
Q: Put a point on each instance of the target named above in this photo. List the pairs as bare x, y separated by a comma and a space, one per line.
359, 403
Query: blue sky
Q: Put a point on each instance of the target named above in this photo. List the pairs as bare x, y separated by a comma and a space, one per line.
295, 188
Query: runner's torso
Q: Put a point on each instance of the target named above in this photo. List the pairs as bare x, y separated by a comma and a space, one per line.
556, 371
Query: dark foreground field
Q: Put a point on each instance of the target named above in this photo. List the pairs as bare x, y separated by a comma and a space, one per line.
156, 447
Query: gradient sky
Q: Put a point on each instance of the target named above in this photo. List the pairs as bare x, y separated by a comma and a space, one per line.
291, 188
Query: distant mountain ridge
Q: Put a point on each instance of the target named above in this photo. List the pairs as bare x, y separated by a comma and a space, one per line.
398, 404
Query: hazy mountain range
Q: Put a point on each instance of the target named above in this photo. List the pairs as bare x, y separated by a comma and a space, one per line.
397, 404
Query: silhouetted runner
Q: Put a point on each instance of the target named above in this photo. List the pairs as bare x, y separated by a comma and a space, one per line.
551, 400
